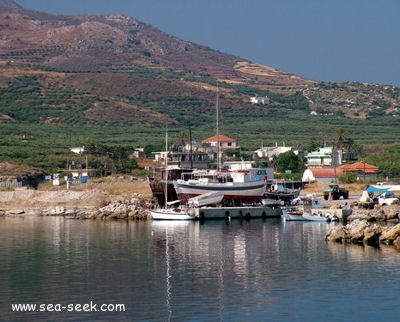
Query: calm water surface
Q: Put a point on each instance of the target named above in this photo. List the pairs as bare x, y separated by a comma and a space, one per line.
188, 271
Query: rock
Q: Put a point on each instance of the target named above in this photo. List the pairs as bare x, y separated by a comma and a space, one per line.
92, 216
356, 230
359, 215
14, 212
337, 234
390, 235
396, 243
363, 232
58, 210
372, 234
392, 214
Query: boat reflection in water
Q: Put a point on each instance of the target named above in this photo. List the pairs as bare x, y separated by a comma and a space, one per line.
239, 270
206, 259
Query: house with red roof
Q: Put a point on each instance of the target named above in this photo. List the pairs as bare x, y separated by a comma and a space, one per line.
362, 170
224, 142
321, 174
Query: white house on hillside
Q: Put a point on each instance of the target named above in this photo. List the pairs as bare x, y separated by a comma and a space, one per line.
78, 150
260, 100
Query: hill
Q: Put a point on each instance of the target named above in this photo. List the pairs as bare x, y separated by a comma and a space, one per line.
111, 79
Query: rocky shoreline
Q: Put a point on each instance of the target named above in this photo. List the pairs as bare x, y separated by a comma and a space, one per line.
373, 227
134, 208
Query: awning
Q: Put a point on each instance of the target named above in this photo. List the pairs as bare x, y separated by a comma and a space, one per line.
376, 189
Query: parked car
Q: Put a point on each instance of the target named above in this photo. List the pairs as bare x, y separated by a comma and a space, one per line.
386, 198
336, 192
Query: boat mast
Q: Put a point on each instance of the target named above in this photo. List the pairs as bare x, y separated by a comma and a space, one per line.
166, 169
191, 148
217, 126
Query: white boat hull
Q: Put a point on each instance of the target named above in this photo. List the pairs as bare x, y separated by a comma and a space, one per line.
210, 198
171, 214
292, 217
315, 217
296, 216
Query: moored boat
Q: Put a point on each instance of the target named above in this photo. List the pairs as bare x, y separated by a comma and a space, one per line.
280, 192
302, 209
292, 214
315, 217
237, 186
298, 214
172, 214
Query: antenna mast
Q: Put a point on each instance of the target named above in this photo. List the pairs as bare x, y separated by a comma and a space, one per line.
218, 143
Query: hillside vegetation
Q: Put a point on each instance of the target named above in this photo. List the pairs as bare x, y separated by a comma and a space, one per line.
113, 81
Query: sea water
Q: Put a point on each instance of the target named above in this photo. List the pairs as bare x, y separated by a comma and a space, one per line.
257, 270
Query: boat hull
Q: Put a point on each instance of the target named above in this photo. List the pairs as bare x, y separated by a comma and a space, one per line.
295, 216
158, 191
171, 214
281, 195
244, 192
210, 198
315, 217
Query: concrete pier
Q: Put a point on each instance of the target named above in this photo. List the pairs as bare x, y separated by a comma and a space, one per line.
244, 212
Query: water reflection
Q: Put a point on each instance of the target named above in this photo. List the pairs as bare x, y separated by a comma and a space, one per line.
188, 271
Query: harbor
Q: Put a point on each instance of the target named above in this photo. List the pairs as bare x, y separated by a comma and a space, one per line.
237, 270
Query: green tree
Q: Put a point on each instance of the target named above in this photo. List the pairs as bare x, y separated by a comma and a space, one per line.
289, 161
179, 141
339, 138
273, 163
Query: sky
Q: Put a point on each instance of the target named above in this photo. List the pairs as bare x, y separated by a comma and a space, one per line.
323, 40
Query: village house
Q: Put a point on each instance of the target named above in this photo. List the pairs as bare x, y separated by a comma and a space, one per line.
139, 152
260, 100
78, 150
224, 142
324, 157
362, 170
184, 159
270, 152
321, 174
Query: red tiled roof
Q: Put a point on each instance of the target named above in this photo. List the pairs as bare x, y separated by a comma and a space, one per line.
359, 167
326, 172
222, 138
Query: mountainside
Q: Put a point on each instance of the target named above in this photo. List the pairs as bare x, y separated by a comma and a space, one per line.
118, 43
115, 70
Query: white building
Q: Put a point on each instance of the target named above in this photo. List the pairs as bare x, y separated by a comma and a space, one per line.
324, 157
78, 150
270, 152
224, 142
260, 100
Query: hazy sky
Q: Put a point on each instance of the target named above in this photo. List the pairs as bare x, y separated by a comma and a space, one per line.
325, 40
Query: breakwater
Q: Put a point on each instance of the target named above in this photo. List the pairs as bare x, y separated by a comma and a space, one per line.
374, 227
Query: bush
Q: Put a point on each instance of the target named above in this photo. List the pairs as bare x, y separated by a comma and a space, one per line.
348, 177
